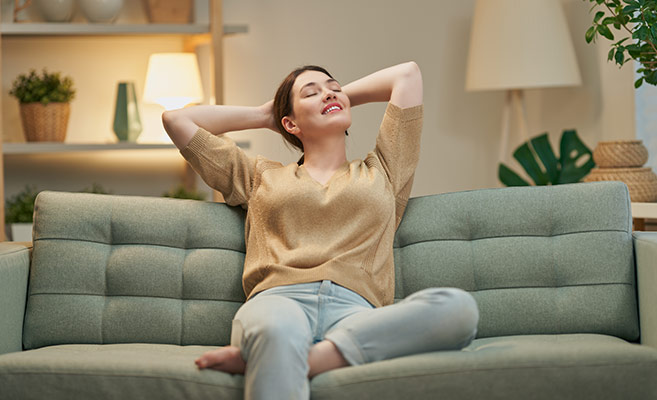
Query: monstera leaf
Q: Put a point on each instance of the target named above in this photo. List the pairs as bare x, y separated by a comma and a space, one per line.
564, 169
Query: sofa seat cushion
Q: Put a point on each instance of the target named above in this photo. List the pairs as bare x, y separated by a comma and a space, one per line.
574, 366
515, 367
114, 371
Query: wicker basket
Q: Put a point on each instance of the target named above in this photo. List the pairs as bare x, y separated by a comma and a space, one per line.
45, 123
641, 182
620, 154
168, 11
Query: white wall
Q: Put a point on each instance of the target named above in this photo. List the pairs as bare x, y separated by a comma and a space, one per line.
461, 129
353, 38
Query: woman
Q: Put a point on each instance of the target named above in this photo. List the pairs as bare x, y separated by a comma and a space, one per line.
319, 233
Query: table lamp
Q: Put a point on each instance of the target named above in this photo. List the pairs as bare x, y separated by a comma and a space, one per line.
516, 45
172, 81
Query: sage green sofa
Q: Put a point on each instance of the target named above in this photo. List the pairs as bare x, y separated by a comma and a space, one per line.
120, 294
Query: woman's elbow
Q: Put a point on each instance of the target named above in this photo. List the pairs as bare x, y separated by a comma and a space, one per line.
412, 71
407, 90
179, 129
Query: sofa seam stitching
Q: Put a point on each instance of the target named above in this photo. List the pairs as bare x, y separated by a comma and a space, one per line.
508, 236
141, 244
132, 295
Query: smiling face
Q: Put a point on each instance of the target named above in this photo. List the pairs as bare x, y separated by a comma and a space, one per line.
319, 107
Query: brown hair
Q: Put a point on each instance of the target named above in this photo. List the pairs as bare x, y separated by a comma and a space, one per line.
283, 102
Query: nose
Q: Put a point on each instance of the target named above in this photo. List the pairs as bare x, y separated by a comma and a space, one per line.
329, 95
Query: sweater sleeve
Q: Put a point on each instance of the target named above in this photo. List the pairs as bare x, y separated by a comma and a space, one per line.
222, 165
398, 149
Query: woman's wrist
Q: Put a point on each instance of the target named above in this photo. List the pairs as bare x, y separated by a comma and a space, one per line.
266, 112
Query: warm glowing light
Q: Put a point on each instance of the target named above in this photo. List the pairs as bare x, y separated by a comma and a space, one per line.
173, 80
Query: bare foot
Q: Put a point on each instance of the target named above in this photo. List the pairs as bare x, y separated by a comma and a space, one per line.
226, 359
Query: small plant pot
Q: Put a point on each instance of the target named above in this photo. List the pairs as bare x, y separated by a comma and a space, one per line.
21, 232
620, 154
168, 11
45, 123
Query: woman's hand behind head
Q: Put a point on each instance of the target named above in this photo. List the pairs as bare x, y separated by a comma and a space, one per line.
268, 110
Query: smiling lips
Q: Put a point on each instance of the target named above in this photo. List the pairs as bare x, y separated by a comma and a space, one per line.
331, 108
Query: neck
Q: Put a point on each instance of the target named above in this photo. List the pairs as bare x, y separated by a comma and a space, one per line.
327, 154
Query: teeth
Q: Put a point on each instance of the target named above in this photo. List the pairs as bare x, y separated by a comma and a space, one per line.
331, 109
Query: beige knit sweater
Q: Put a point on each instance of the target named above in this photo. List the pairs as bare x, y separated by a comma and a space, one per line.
298, 230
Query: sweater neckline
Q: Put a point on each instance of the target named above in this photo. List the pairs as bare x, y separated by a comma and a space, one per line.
338, 172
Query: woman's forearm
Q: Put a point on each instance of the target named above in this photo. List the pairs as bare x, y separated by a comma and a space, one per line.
400, 84
182, 124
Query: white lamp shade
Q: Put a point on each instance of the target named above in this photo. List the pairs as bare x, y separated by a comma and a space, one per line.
520, 44
173, 80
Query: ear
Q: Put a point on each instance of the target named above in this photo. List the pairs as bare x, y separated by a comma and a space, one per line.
289, 125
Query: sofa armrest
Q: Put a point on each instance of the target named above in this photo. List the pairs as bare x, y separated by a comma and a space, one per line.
645, 251
14, 271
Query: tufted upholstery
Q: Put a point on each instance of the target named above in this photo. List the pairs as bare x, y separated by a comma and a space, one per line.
117, 269
540, 260
112, 269
118, 283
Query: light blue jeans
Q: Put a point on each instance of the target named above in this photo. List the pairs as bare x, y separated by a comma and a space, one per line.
275, 330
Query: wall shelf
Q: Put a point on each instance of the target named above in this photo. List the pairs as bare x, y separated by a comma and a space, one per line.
207, 27
72, 29
53, 148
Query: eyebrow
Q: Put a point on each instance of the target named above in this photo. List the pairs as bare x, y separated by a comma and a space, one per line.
315, 83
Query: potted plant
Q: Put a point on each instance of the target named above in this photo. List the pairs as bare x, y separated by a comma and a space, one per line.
574, 163
44, 105
96, 188
168, 11
19, 211
181, 193
639, 19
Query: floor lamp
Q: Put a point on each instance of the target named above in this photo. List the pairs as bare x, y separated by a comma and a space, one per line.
517, 45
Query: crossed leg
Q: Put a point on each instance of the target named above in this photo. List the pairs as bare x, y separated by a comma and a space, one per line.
430, 320
322, 357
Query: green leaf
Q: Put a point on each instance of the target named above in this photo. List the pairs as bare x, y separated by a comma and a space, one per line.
620, 56
510, 178
638, 83
641, 33
543, 149
634, 50
604, 31
20, 207
610, 55
650, 77
572, 149
630, 9
598, 15
526, 158
590, 34
653, 32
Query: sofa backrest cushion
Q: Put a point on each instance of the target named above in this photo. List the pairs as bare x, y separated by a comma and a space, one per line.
115, 269
538, 260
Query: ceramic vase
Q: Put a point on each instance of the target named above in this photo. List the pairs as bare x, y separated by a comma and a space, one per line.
103, 11
56, 10
127, 124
